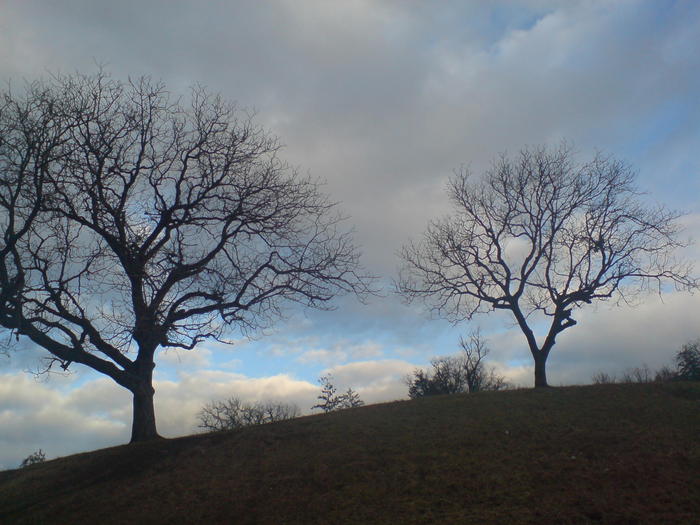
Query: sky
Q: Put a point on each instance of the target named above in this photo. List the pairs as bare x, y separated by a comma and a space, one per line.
383, 100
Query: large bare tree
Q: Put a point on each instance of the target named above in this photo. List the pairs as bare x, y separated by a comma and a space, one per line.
131, 221
539, 236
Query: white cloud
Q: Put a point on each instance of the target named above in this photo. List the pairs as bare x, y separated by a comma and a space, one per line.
97, 413
607, 338
375, 381
36, 415
178, 402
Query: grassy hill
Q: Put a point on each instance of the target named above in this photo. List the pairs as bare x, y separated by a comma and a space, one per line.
595, 454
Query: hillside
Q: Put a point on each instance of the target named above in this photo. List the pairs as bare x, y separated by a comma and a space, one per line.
597, 454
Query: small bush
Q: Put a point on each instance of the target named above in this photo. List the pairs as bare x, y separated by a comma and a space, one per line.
688, 361
232, 413
603, 378
665, 374
33, 458
639, 374
457, 374
687, 369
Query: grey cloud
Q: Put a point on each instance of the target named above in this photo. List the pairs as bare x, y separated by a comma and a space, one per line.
375, 381
384, 99
178, 402
97, 413
607, 338
37, 415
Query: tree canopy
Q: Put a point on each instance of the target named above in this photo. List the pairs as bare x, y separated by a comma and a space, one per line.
133, 220
539, 236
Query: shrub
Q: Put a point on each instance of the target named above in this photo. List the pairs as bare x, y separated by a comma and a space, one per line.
688, 361
639, 374
33, 458
329, 401
665, 374
457, 374
603, 378
232, 413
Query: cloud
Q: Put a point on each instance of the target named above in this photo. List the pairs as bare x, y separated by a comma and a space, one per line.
393, 96
197, 358
608, 337
178, 402
613, 340
43, 415
322, 356
97, 413
341, 352
374, 380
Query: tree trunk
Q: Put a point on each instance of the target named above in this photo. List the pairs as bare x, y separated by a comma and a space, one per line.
540, 369
144, 420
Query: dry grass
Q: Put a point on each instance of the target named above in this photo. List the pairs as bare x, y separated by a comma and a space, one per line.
601, 454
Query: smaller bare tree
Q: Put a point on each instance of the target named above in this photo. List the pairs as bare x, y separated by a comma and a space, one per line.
351, 399
279, 411
457, 374
330, 401
476, 375
665, 374
446, 377
33, 458
540, 236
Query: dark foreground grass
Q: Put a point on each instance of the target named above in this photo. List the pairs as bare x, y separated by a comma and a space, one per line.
601, 454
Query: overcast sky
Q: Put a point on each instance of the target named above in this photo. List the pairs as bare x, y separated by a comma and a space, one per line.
382, 100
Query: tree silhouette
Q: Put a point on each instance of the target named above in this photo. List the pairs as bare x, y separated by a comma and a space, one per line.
232, 414
132, 220
540, 236
329, 400
466, 372
688, 361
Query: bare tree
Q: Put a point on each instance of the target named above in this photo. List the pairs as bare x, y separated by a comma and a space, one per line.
457, 374
132, 221
233, 413
476, 376
350, 399
330, 401
540, 236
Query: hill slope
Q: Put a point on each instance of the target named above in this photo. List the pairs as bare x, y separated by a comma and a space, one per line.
600, 454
